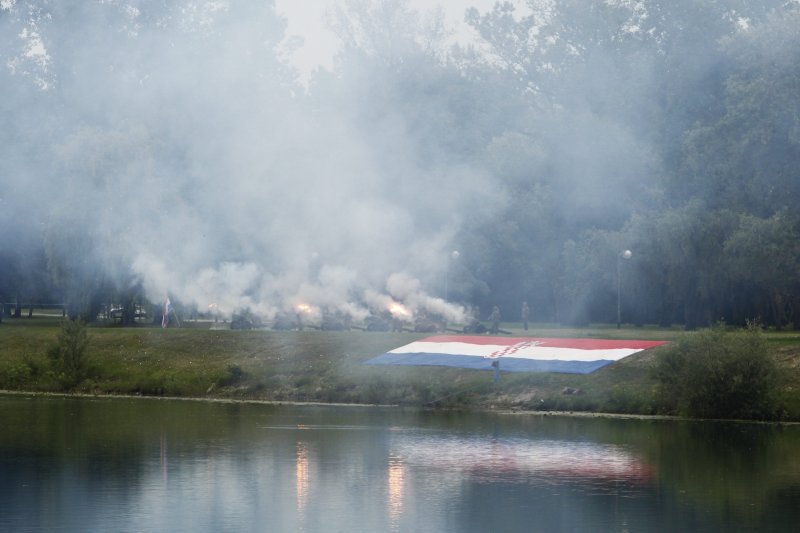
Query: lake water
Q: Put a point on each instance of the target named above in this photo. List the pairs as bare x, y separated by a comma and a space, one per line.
168, 465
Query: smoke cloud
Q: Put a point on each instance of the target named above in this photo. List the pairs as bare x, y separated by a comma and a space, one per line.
169, 146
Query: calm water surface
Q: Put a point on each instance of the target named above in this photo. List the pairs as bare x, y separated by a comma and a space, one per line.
159, 465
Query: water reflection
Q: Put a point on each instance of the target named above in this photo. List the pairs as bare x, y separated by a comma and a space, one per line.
162, 445
301, 477
396, 482
124, 465
522, 460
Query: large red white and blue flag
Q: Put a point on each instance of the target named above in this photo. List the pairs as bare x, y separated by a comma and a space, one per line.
513, 354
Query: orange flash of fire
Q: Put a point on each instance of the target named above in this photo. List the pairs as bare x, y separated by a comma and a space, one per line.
398, 309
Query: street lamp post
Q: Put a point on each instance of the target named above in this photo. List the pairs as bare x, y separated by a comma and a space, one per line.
626, 254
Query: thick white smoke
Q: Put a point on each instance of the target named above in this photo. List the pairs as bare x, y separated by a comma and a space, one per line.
186, 157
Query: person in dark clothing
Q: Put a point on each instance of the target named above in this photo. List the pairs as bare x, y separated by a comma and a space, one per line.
494, 318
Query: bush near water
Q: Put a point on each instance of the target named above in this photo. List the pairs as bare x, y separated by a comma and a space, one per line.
68, 354
714, 373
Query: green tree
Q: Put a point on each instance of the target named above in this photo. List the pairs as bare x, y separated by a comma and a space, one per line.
744, 157
68, 354
763, 256
681, 259
715, 373
75, 270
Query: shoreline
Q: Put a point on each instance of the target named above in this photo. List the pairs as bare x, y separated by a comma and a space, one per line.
502, 412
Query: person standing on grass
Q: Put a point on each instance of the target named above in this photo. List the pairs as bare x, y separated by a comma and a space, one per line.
494, 318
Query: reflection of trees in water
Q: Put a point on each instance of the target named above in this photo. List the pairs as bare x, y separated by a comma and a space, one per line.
546, 508
732, 470
566, 473
97, 436
706, 475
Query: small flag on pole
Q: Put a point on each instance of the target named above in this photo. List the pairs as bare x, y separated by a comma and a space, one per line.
165, 316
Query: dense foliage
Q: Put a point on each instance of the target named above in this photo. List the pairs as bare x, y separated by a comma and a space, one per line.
719, 374
68, 355
670, 128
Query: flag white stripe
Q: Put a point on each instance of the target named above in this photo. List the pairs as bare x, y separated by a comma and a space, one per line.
527, 352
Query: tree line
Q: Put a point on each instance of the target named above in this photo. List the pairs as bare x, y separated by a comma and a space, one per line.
667, 128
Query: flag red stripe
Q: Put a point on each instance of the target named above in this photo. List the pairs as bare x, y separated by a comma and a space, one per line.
582, 344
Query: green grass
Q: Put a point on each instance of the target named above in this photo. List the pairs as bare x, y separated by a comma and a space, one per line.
321, 366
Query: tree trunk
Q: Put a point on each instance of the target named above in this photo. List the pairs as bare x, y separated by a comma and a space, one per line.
778, 309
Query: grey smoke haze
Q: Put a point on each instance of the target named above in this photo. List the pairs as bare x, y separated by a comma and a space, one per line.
169, 145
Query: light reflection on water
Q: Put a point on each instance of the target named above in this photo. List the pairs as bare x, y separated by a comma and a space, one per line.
301, 476
395, 478
488, 459
154, 466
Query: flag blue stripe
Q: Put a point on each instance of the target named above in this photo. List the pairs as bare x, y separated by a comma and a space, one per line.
507, 364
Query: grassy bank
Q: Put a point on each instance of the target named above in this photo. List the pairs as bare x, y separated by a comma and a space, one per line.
322, 366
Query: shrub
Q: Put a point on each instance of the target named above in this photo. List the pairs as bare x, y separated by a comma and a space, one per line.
233, 374
14, 375
68, 354
715, 373
625, 399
